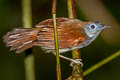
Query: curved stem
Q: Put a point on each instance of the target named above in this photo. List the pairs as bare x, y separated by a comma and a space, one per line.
101, 63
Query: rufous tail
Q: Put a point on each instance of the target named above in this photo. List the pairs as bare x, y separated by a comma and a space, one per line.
20, 39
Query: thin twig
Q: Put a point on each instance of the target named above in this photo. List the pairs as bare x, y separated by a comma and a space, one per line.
58, 68
101, 63
77, 68
27, 23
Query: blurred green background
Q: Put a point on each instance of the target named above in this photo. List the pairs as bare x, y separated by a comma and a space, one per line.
12, 65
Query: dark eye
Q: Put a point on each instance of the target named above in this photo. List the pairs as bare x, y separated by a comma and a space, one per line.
92, 26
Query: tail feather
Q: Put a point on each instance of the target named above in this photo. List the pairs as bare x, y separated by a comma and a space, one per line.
20, 39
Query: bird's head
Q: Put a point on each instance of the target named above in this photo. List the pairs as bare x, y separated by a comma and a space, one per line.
93, 29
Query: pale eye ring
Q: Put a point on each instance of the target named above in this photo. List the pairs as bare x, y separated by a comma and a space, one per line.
92, 26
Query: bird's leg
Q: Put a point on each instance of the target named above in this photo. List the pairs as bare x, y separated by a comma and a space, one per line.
77, 61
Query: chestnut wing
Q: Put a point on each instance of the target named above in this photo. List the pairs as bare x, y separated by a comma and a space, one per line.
67, 38
68, 35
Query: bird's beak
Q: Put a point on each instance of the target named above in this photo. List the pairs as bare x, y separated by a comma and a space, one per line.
101, 27
104, 27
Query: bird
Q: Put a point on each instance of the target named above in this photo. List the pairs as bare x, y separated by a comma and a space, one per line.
72, 34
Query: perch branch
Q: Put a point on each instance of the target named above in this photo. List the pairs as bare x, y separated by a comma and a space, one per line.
77, 68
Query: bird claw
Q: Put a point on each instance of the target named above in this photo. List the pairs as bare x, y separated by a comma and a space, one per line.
76, 61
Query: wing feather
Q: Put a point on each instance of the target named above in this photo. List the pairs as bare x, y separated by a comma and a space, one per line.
69, 35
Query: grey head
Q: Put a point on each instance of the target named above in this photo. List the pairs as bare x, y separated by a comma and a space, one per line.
91, 30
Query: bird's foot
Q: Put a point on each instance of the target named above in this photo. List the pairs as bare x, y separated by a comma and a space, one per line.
76, 61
